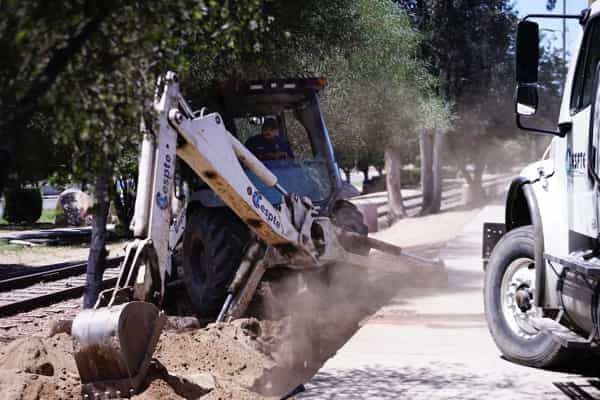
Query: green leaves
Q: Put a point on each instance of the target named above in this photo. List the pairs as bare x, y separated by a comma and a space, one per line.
92, 110
368, 49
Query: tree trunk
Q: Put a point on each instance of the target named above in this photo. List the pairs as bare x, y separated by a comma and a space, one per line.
97, 256
124, 202
393, 168
474, 181
426, 150
431, 147
476, 188
347, 173
4, 168
438, 147
365, 174
427, 178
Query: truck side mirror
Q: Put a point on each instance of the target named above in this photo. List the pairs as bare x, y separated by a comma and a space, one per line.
528, 56
526, 99
528, 51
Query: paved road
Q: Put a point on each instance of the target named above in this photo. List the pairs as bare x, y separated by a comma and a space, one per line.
434, 344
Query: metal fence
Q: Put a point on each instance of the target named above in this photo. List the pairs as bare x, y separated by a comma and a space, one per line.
454, 192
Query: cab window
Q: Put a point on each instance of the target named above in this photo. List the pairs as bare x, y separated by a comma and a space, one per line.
298, 136
586, 68
290, 130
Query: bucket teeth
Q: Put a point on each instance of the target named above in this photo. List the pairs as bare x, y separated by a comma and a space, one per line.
113, 347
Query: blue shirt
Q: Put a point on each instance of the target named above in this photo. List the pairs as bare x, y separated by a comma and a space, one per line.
261, 146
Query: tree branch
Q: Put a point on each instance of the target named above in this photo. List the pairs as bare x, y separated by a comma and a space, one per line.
59, 61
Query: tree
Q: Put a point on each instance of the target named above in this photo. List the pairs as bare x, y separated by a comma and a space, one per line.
86, 69
435, 121
38, 41
486, 134
468, 48
375, 81
367, 50
83, 70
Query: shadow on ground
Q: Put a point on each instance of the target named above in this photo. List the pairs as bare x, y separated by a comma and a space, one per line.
580, 391
442, 381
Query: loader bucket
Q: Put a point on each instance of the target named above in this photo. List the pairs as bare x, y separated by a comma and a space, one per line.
113, 346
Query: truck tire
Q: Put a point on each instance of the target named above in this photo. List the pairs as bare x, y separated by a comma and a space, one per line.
510, 269
346, 216
213, 245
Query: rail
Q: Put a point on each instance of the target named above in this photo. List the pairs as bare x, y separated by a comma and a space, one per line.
30, 291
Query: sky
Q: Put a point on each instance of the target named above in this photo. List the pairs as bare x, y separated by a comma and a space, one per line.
552, 29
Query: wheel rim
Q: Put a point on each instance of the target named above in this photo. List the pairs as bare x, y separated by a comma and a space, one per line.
519, 275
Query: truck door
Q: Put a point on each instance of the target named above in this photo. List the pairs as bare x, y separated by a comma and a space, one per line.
582, 198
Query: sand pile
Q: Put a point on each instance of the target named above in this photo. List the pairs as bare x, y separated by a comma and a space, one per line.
38, 368
221, 361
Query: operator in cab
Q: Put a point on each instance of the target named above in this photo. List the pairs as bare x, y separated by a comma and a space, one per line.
269, 145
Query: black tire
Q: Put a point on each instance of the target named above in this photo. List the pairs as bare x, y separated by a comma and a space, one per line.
348, 217
540, 350
213, 245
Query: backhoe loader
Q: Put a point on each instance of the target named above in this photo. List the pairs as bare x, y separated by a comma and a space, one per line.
244, 217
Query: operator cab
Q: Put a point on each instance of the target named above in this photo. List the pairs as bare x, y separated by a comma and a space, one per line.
302, 157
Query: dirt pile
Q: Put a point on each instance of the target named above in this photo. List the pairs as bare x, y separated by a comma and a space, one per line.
38, 368
221, 361
237, 355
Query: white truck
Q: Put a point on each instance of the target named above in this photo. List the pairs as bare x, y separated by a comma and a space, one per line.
542, 276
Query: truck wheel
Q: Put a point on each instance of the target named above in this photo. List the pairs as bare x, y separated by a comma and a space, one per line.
508, 287
213, 245
348, 217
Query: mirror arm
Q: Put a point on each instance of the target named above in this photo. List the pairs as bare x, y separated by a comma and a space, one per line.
564, 128
578, 17
537, 130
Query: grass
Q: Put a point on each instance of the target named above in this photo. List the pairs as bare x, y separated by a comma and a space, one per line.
5, 246
47, 217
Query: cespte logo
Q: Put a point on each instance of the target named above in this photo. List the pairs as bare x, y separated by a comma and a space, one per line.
161, 201
256, 198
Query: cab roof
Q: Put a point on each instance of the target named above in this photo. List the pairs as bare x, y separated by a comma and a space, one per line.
243, 98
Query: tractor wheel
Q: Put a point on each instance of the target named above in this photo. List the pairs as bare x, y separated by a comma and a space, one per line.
346, 216
213, 246
508, 291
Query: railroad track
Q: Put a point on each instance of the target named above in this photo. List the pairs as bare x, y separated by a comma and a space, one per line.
31, 291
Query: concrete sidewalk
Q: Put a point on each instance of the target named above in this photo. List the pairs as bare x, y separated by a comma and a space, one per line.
434, 344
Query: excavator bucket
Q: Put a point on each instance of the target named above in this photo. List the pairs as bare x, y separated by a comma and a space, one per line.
113, 347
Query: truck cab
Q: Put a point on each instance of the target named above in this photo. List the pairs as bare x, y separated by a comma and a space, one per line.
294, 106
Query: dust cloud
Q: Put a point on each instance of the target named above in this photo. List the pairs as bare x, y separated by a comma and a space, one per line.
321, 310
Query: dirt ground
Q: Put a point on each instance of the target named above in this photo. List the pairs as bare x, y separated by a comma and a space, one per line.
246, 359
